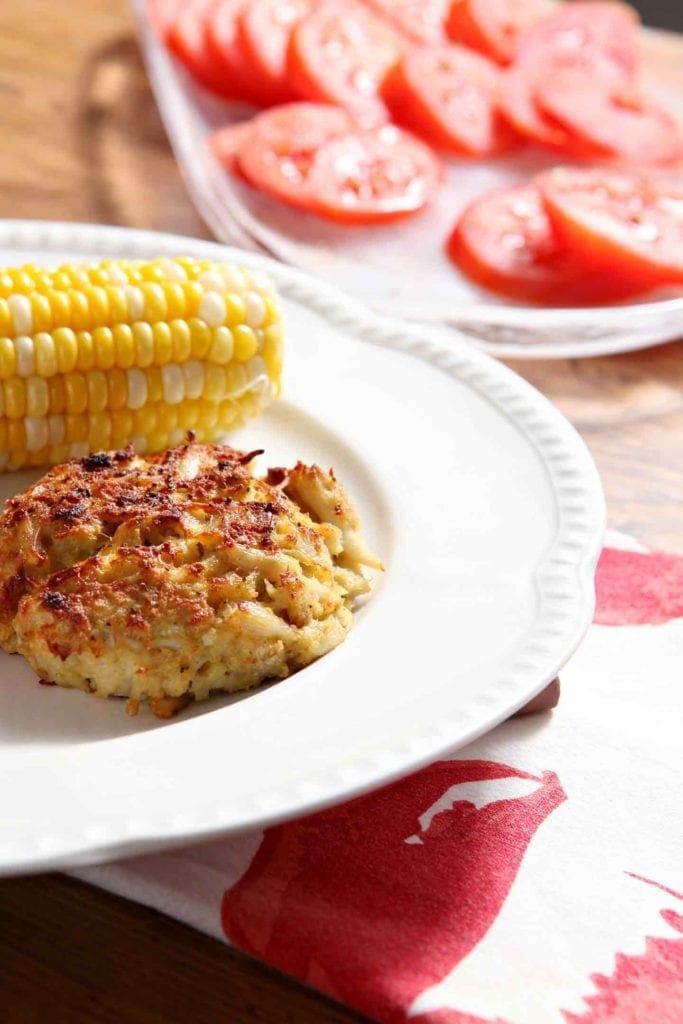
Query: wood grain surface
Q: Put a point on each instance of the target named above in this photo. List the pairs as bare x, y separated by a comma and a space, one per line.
80, 139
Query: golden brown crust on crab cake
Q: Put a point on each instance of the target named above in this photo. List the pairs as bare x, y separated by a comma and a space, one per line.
177, 575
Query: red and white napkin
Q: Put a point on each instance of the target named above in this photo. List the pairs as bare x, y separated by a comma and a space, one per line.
533, 878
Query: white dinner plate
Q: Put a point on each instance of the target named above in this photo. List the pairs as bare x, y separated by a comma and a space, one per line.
484, 505
400, 269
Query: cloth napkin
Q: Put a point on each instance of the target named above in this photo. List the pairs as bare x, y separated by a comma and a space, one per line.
533, 877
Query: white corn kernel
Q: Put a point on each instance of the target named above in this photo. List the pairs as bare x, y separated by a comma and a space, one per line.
22, 314
36, 433
116, 274
222, 346
233, 278
173, 271
137, 388
23, 347
193, 374
256, 309
172, 383
212, 309
211, 281
136, 302
55, 428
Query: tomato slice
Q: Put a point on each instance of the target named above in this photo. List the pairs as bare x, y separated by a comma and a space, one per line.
373, 176
504, 241
449, 95
187, 38
422, 21
342, 56
611, 117
264, 29
493, 26
227, 142
596, 38
622, 224
312, 156
224, 45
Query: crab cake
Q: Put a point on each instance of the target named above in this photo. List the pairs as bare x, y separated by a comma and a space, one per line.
169, 577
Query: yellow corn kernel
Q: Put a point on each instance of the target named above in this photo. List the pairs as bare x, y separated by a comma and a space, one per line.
16, 436
41, 312
235, 309
79, 316
85, 351
121, 427
236, 380
144, 421
14, 393
98, 304
181, 340
104, 348
57, 394
3, 435
75, 428
222, 345
201, 337
117, 388
176, 304
124, 346
155, 388
99, 431
188, 414
157, 441
60, 307
44, 354
163, 343
97, 391
118, 304
194, 293
8, 358
56, 428
143, 339
66, 349
155, 305
208, 417
76, 393
57, 454
37, 397
5, 318
272, 308
246, 344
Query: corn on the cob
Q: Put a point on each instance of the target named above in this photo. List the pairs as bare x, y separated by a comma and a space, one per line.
127, 351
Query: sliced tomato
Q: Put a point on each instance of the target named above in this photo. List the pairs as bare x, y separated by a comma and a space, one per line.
449, 95
610, 116
422, 21
493, 26
504, 241
225, 48
373, 176
187, 38
618, 224
313, 157
597, 39
227, 142
342, 55
264, 29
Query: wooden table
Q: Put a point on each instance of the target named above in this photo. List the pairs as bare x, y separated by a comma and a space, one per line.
81, 140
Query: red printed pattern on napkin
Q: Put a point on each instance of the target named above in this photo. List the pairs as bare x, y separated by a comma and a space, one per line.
364, 904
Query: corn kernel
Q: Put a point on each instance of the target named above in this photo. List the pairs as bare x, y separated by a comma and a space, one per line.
181, 339
222, 345
99, 431
3, 436
136, 388
57, 393
157, 441
15, 398
188, 414
45, 355
155, 390
117, 389
214, 384
76, 428
154, 300
208, 416
5, 319
58, 453
124, 346
40, 312
256, 309
143, 339
85, 351
26, 363
66, 349
246, 344
194, 293
272, 308
21, 313
105, 350
121, 427
163, 343
235, 309
56, 428
172, 383
76, 393
145, 420
193, 374
118, 304
16, 437
36, 433
79, 316
212, 309
201, 337
97, 391
175, 300
8, 358
37, 397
